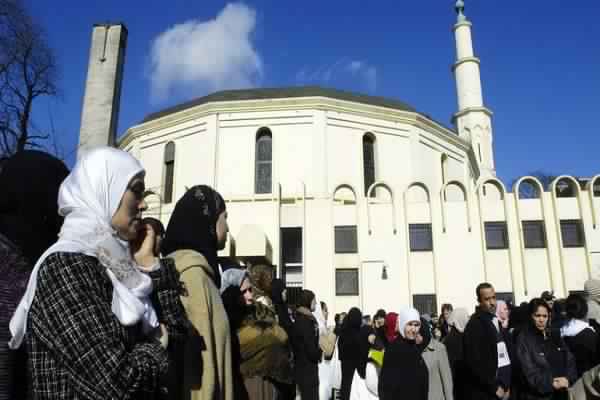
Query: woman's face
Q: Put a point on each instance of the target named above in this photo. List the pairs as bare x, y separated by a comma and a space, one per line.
128, 217
540, 318
222, 230
446, 313
246, 290
503, 312
411, 330
313, 305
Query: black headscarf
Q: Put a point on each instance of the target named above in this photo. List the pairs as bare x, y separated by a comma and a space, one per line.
193, 225
425, 332
29, 183
353, 321
306, 298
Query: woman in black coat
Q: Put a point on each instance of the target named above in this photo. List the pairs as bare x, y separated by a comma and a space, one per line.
350, 347
404, 374
547, 365
457, 321
579, 336
305, 342
29, 224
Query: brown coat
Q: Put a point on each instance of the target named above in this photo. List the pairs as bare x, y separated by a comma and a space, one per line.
202, 367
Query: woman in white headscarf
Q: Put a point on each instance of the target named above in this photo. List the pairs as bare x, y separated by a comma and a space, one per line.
404, 373
96, 319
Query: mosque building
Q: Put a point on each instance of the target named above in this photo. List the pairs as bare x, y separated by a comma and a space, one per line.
364, 200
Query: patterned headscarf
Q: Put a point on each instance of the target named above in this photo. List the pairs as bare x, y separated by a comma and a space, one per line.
193, 225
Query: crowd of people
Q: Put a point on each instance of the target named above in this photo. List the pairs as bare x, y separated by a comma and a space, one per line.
98, 302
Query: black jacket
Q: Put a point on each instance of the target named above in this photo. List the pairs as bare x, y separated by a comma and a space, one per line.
456, 356
404, 374
350, 354
535, 353
584, 347
481, 357
307, 353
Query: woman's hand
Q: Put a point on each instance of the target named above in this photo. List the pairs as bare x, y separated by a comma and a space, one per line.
143, 252
560, 383
162, 335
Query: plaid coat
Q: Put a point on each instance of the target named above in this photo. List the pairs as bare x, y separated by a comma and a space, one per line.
77, 347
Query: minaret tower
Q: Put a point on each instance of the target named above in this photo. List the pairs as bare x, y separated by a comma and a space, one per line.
473, 120
101, 100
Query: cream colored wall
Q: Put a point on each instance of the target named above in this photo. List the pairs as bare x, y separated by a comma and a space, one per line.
316, 150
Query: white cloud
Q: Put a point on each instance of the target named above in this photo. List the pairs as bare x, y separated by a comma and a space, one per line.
340, 70
207, 55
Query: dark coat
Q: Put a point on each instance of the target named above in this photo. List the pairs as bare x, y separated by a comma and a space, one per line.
456, 356
404, 374
351, 354
533, 352
481, 357
307, 353
584, 347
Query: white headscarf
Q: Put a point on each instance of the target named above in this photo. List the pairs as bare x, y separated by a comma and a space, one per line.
405, 316
459, 319
88, 199
318, 314
233, 277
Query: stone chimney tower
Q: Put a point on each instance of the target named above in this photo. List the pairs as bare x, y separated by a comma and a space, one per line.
100, 113
473, 120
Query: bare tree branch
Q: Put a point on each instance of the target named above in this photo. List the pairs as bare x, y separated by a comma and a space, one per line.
28, 71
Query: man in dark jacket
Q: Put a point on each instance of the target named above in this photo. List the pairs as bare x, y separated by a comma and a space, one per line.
486, 352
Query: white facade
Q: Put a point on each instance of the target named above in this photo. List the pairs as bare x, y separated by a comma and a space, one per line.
425, 173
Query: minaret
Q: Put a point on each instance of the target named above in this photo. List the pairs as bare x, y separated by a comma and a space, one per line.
473, 120
100, 113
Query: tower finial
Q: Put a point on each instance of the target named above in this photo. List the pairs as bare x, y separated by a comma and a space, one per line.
460, 10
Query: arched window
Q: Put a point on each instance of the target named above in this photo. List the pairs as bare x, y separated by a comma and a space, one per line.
169, 172
368, 144
263, 170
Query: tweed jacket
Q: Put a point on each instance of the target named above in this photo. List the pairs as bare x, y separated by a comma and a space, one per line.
77, 347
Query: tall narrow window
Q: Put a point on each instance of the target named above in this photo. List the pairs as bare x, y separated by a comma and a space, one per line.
291, 255
263, 161
169, 172
368, 144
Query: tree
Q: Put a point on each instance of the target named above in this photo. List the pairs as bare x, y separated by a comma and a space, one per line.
28, 71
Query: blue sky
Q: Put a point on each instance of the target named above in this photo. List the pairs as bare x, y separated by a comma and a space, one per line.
540, 62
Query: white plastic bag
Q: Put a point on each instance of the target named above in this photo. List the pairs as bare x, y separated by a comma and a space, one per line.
336, 368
